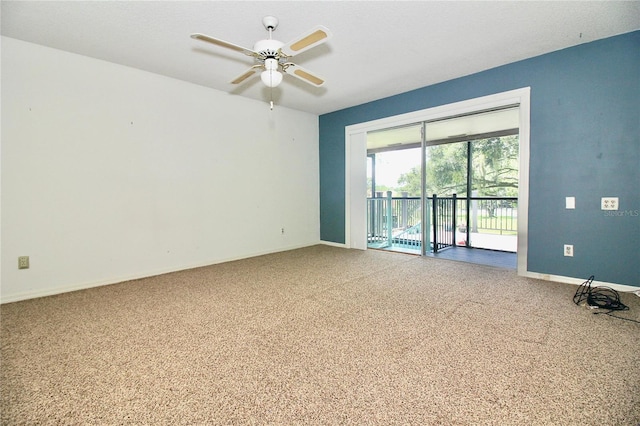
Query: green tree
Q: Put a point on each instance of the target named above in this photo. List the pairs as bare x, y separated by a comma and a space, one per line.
495, 166
447, 169
494, 169
410, 182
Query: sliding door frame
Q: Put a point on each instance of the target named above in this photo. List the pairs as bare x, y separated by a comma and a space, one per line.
356, 161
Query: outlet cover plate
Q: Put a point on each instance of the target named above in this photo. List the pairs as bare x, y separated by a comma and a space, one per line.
568, 250
609, 203
23, 262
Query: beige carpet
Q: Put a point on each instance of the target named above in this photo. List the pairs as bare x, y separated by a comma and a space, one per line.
321, 335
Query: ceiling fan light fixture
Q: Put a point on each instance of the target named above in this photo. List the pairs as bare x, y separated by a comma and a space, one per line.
271, 64
271, 78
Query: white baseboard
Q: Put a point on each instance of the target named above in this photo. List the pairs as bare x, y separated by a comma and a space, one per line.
578, 281
331, 243
84, 286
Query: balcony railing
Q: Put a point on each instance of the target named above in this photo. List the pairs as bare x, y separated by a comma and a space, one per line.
482, 222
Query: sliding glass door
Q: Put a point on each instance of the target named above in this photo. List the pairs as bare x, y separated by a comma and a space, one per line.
394, 192
444, 183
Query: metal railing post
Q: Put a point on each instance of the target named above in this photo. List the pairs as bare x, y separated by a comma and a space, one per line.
474, 212
404, 210
468, 221
453, 219
426, 226
380, 214
389, 219
435, 223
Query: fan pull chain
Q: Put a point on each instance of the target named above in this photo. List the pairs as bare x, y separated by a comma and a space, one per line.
271, 95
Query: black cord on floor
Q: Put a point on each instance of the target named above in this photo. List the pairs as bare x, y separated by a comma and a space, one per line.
615, 316
600, 298
583, 291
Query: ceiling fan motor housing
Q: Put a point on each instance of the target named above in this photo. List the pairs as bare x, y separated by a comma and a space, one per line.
268, 48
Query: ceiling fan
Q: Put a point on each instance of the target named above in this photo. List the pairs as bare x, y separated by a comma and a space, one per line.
272, 56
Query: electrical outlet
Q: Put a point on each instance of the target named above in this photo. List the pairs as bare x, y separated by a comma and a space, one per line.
23, 262
568, 250
282, 230
609, 203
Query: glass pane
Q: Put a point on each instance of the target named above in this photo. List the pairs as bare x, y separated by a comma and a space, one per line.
493, 211
447, 169
495, 167
399, 171
394, 223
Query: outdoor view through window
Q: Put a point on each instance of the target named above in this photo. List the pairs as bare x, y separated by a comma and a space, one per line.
471, 190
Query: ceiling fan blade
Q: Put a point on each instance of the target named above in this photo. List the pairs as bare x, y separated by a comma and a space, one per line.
312, 38
223, 43
245, 75
303, 74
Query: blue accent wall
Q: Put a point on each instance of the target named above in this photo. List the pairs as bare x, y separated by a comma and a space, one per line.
584, 142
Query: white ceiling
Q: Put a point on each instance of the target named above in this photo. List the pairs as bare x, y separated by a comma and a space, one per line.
378, 48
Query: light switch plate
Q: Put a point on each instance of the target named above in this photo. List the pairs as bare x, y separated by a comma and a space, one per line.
570, 202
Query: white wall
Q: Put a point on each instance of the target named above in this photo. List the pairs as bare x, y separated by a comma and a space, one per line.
111, 173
